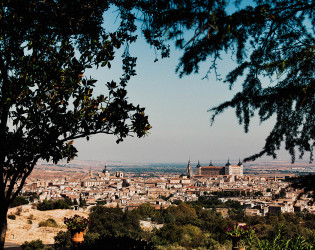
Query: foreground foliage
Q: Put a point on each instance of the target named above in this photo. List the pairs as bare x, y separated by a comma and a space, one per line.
190, 226
46, 99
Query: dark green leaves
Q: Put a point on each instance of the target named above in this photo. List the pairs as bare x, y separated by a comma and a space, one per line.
46, 100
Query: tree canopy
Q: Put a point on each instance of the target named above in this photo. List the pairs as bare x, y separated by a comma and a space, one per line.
46, 101
272, 42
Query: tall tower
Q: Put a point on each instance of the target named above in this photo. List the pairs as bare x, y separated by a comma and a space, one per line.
106, 172
198, 168
189, 171
240, 165
105, 169
90, 173
228, 168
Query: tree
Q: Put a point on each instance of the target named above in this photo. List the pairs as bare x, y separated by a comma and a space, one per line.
46, 102
270, 41
184, 213
145, 210
18, 201
114, 222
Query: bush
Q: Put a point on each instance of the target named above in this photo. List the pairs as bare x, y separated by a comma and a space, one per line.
29, 221
95, 241
91, 238
115, 243
51, 205
18, 201
114, 222
63, 240
30, 217
48, 223
18, 211
33, 245
12, 216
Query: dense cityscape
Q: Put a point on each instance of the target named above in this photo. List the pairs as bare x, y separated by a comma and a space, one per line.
258, 194
88, 187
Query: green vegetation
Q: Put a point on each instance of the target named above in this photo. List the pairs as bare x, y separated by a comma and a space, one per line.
114, 222
48, 223
54, 204
31, 217
63, 240
197, 225
12, 216
272, 47
46, 100
82, 202
34, 245
18, 211
31, 196
18, 201
76, 223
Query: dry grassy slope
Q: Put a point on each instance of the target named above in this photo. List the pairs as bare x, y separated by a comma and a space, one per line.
20, 230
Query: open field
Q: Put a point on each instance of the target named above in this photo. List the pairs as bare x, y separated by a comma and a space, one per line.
20, 229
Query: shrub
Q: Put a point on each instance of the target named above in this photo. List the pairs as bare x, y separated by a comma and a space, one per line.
33, 245
76, 223
18, 201
114, 222
30, 217
48, 223
115, 243
91, 238
18, 211
12, 216
51, 205
63, 240
29, 221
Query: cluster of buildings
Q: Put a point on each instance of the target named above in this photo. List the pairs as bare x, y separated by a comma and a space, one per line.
258, 195
211, 170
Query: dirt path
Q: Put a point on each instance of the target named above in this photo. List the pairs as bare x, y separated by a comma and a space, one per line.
23, 237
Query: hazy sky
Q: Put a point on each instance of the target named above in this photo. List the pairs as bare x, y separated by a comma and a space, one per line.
177, 110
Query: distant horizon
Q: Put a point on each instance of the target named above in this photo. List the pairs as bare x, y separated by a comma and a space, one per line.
177, 111
203, 162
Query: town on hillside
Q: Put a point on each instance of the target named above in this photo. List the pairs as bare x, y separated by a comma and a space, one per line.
259, 195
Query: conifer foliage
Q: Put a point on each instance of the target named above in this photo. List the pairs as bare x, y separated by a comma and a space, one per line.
272, 42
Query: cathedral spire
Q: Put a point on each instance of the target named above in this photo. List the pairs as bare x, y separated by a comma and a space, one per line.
198, 165
189, 169
239, 162
228, 163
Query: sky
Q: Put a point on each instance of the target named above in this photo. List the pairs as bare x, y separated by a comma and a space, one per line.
177, 110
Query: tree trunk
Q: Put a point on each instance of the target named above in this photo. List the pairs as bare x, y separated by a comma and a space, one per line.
3, 224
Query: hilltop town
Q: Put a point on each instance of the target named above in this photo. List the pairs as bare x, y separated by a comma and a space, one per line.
258, 194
